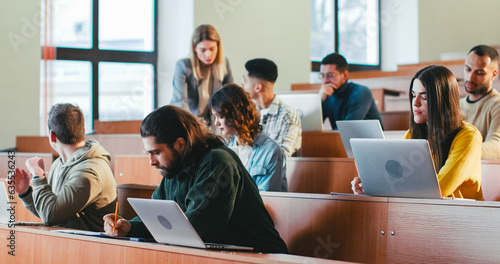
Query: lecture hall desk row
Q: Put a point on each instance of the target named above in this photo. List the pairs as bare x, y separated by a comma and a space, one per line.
339, 227
308, 175
314, 144
304, 175
349, 224
377, 229
134, 177
39, 245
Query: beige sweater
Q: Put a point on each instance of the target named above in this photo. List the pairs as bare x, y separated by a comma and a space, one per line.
484, 114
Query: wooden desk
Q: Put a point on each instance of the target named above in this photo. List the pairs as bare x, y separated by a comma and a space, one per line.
490, 182
387, 230
320, 175
395, 120
305, 175
20, 161
40, 246
329, 144
135, 191
115, 144
378, 93
135, 169
322, 144
35, 144
117, 127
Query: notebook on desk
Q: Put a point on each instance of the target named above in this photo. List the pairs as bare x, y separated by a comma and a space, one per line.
6, 210
396, 167
167, 223
308, 105
358, 129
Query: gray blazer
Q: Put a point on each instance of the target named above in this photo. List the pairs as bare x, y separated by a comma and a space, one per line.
186, 93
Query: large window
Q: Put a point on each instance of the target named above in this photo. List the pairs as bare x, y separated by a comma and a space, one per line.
349, 27
101, 55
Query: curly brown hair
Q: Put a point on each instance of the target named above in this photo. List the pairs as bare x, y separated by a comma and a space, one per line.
235, 105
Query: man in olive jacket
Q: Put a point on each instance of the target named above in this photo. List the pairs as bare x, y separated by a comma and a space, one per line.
80, 188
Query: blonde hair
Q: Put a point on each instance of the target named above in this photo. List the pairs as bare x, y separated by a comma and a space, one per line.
208, 32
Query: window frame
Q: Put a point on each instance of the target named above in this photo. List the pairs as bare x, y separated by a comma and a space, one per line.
315, 65
95, 55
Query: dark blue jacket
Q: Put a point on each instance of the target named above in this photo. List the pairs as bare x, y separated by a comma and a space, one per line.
350, 102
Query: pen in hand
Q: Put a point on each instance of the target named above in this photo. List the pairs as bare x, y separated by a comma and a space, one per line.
116, 213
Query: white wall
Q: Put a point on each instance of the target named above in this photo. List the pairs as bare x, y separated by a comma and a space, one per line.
177, 18
399, 33
19, 70
456, 26
274, 29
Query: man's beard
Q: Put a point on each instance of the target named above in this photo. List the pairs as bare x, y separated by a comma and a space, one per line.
174, 168
479, 89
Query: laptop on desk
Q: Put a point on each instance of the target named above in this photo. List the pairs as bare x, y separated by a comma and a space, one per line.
167, 223
358, 129
396, 167
308, 105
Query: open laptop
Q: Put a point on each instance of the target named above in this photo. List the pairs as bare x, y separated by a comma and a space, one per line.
396, 167
4, 205
5, 212
358, 129
308, 105
168, 224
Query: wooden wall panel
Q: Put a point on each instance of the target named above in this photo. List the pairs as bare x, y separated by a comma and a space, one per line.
117, 127
320, 175
134, 169
324, 227
443, 233
322, 144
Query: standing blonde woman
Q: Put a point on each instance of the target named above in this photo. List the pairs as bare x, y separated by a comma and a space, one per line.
197, 78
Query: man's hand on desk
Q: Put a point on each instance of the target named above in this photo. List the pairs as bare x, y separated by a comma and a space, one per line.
357, 187
122, 226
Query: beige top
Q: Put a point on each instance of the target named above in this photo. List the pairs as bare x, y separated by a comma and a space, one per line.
484, 114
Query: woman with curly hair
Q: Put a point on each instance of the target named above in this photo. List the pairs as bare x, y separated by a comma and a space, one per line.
237, 119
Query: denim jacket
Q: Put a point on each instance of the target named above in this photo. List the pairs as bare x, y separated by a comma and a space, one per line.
267, 164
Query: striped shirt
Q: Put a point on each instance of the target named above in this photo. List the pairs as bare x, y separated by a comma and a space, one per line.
281, 122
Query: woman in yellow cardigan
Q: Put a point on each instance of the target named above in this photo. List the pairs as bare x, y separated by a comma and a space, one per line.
455, 144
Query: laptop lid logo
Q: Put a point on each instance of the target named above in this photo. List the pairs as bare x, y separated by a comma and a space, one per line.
164, 222
394, 168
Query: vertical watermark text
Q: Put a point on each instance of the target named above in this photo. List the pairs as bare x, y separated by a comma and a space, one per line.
11, 203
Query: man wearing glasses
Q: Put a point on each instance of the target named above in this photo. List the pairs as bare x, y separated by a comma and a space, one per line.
341, 99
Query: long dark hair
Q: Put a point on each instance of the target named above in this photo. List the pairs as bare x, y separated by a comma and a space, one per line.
168, 123
235, 105
444, 115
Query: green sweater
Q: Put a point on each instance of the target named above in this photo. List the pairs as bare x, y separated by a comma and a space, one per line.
221, 201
